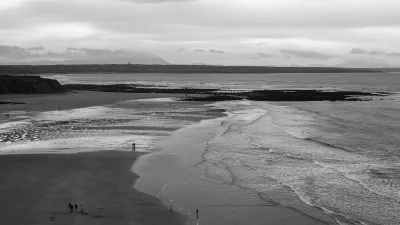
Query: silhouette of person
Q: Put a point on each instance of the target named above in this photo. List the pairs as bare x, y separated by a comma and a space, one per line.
70, 206
170, 208
76, 208
197, 213
81, 208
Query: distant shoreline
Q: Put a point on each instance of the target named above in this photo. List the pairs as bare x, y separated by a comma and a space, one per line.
140, 68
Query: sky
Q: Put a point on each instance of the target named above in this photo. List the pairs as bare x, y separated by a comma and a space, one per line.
350, 33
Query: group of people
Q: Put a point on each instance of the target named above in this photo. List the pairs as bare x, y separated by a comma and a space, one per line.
71, 207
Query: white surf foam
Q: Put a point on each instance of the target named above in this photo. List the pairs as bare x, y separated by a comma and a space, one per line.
155, 100
254, 149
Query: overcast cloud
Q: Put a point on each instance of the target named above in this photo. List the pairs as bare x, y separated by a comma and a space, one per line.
15, 54
264, 55
307, 54
374, 52
309, 30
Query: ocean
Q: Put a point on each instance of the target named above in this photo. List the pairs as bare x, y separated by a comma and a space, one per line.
334, 162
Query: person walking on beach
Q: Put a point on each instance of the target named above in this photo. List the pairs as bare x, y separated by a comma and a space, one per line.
76, 208
197, 214
170, 208
81, 209
70, 206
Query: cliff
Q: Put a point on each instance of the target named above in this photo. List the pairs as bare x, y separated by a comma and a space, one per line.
29, 85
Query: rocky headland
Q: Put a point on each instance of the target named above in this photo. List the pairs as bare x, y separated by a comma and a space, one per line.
29, 85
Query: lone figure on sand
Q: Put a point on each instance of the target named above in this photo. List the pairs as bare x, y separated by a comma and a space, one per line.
70, 206
197, 213
81, 209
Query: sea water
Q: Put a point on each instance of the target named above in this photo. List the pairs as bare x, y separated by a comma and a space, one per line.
341, 158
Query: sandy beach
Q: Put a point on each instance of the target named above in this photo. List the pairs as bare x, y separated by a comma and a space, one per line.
37, 189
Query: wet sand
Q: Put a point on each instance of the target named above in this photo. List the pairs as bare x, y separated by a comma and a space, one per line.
37, 189
70, 100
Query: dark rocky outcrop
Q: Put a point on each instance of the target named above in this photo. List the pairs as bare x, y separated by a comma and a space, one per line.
11, 103
290, 95
213, 95
134, 88
309, 95
29, 85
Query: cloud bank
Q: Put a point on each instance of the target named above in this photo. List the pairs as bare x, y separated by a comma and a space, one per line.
307, 54
264, 55
375, 52
74, 55
216, 51
307, 30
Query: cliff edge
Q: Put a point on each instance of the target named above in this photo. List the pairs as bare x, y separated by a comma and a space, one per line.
29, 85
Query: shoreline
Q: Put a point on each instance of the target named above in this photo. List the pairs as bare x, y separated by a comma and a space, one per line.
177, 175
39, 186
154, 68
47, 182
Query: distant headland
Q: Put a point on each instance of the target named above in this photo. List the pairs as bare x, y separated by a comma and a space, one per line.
141, 68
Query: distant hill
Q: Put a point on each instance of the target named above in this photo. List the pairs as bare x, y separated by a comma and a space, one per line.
137, 58
319, 65
140, 68
389, 69
362, 64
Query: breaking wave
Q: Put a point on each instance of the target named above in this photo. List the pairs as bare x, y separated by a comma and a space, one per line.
277, 151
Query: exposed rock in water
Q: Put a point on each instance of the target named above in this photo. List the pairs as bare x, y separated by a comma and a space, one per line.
290, 95
213, 95
29, 85
11, 103
135, 88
